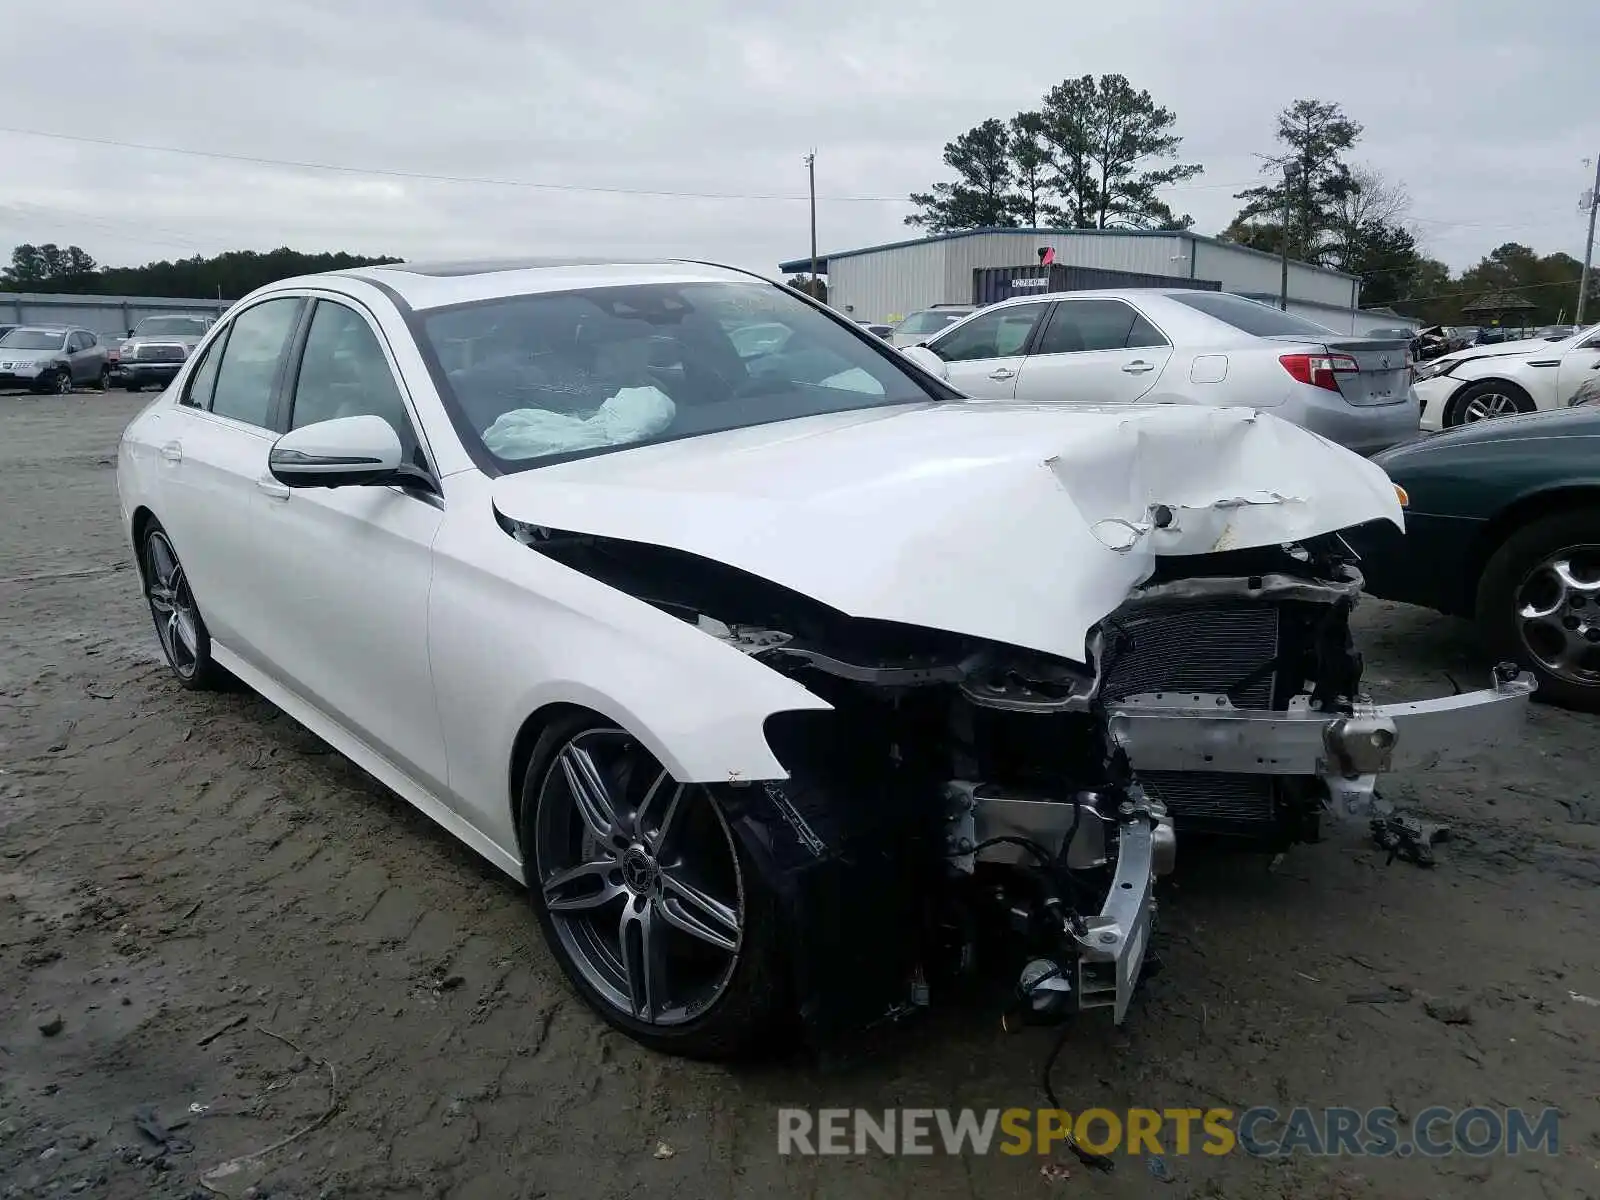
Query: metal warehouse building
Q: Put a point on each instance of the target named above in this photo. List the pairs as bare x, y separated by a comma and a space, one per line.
884, 283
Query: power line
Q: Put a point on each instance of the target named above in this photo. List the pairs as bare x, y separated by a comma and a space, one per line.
483, 181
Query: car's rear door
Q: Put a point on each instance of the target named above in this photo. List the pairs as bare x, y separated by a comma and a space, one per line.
983, 355
349, 568
1094, 350
213, 453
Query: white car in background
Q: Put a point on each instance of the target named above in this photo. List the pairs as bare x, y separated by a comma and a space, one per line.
1501, 380
1181, 346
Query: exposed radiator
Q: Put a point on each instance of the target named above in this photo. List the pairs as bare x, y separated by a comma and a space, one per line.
1193, 648
1207, 647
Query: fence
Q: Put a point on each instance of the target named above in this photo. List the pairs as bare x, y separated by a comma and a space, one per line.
110, 316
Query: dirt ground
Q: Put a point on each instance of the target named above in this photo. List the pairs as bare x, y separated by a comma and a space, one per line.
233, 925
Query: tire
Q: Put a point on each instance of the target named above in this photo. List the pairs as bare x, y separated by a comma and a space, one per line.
1520, 576
131, 386
104, 383
1501, 398
61, 382
185, 644
734, 1003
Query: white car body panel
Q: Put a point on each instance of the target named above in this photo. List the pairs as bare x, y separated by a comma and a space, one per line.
417, 636
962, 496
1549, 372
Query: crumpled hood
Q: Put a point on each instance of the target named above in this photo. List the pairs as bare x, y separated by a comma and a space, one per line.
1025, 524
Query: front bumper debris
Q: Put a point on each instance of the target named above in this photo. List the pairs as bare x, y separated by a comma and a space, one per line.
1168, 732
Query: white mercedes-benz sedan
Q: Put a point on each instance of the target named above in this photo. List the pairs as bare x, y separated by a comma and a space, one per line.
792, 684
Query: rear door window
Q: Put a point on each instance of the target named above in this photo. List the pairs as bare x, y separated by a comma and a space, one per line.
1082, 325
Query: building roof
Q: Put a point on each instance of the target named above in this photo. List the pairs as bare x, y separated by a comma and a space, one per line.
803, 265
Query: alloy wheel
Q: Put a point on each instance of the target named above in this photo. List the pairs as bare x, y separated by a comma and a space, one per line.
641, 879
1558, 614
1487, 405
62, 384
172, 605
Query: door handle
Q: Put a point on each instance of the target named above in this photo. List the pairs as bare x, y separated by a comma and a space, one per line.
172, 452
1002, 373
1138, 367
269, 485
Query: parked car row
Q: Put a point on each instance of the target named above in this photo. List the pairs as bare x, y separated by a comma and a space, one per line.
58, 358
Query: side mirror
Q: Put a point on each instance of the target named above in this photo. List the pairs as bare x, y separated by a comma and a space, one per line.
927, 360
344, 452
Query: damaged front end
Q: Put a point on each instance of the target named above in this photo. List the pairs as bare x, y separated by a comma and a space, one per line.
968, 810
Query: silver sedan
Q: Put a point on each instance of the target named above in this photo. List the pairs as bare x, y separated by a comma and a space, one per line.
1177, 346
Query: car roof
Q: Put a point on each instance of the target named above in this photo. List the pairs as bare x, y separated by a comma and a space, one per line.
427, 285
47, 329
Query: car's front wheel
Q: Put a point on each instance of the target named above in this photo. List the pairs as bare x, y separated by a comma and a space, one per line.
1486, 400
184, 641
646, 896
1539, 604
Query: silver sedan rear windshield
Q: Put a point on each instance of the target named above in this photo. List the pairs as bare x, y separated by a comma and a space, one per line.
541, 378
1251, 316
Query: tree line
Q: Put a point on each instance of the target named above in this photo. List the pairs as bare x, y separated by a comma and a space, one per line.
1096, 151
51, 268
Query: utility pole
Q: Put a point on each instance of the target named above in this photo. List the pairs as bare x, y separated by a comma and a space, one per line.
1283, 284
1588, 246
811, 175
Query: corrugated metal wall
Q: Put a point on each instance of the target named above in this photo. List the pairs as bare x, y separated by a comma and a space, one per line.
111, 316
1244, 270
889, 284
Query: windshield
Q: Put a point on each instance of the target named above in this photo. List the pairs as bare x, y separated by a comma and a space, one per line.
541, 378
1251, 317
170, 327
929, 322
33, 339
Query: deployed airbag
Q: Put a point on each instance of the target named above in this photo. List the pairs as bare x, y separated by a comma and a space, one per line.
632, 415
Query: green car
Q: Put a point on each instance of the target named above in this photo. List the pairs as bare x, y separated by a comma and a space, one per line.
1503, 526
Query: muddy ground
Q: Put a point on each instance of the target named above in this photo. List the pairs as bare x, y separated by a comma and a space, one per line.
226, 918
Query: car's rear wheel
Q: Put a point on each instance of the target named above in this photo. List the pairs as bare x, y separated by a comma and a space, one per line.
184, 641
646, 897
104, 383
1539, 604
1487, 400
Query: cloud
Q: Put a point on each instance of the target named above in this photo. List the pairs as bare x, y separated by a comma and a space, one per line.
1483, 118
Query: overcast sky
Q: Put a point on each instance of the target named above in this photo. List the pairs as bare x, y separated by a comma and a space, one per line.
1484, 109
